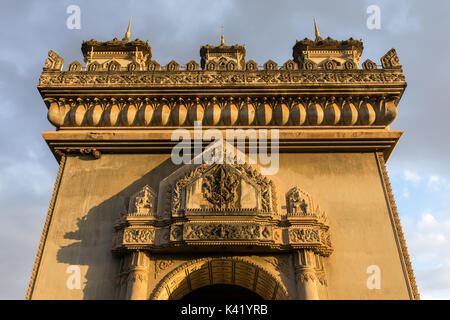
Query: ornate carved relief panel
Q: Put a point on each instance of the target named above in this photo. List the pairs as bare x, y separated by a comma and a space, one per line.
221, 205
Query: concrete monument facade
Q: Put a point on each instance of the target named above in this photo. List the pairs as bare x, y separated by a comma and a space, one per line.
139, 226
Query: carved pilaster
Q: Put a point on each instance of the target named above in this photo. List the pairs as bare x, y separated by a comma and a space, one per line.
137, 284
132, 282
305, 275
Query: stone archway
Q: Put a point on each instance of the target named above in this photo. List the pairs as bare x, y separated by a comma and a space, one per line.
212, 271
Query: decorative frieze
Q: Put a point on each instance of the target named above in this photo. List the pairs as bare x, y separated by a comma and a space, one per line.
304, 235
222, 233
95, 77
219, 111
138, 236
226, 231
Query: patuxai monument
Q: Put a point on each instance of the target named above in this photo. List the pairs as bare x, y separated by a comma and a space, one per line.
222, 177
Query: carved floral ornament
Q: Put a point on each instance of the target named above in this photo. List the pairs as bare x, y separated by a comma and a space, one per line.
214, 111
243, 215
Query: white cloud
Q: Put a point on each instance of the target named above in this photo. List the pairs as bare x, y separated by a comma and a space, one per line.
434, 179
436, 183
427, 221
405, 193
428, 244
411, 176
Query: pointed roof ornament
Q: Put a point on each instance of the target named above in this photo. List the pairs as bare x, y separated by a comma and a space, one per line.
127, 34
222, 39
318, 38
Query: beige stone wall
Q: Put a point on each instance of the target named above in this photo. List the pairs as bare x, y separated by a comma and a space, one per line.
92, 194
347, 186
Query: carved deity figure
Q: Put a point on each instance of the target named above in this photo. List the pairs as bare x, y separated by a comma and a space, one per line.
220, 187
143, 202
296, 202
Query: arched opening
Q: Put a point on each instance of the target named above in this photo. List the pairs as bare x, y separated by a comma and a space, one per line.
220, 292
214, 278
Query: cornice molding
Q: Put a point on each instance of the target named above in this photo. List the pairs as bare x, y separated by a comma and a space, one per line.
158, 140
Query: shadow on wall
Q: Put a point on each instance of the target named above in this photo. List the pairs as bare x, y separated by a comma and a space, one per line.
95, 231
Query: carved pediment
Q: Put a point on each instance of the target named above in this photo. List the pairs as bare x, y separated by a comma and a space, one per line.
94, 66
309, 65
390, 60
134, 66
211, 66
289, 65
330, 64
153, 66
173, 66
53, 62
144, 202
251, 65
300, 203
192, 66
221, 189
222, 63
350, 65
369, 65
270, 65
74, 66
111, 65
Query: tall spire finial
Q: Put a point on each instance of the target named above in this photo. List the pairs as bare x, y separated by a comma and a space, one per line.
316, 30
127, 34
222, 39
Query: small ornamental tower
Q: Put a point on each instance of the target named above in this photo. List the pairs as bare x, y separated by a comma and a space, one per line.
129, 220
117, 54
223, 57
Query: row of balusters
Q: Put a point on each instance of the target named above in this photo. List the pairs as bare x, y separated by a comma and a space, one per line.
126, 112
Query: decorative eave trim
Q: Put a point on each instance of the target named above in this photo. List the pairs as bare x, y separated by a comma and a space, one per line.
399, 236
38, 259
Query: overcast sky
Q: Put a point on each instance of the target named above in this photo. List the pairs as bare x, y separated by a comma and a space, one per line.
419, 167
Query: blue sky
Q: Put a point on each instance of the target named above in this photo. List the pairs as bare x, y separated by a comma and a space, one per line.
418, 168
